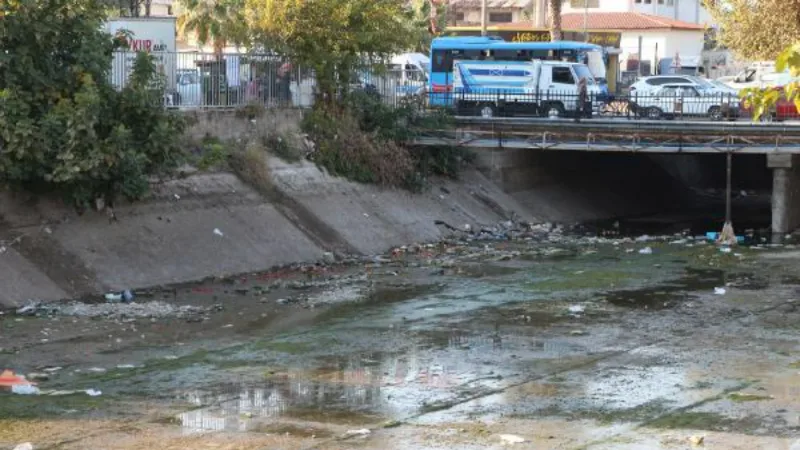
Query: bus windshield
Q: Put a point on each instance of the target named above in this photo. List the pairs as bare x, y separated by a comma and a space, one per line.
583, 72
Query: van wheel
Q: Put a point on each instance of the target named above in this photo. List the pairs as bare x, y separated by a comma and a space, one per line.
555, 109
487, 111
654, 113
715, 113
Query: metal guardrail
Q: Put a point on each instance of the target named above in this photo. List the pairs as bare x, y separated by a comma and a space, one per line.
600, 135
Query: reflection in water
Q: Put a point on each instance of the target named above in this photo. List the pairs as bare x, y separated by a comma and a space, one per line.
370, 383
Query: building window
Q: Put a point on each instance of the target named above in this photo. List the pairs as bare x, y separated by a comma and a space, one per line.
501, 17
169, 10
459, 17
646, 2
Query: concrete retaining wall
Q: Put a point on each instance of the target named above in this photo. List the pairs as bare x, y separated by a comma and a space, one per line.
50, 252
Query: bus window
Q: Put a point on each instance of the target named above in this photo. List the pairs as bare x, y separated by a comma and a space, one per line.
442, 61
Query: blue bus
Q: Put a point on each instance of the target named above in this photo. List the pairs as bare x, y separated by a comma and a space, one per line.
445, 50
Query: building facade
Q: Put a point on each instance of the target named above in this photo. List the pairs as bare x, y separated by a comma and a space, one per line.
690, 11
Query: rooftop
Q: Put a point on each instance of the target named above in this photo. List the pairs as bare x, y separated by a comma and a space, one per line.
493, 4
626, 21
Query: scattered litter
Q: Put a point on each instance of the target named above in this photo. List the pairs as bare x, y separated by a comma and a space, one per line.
577, 309
361, 432
177, 197
126, 366
577, 333
230, 325
512, 439
97, 370
713, 236
646, 251
24, 389
28, 310
720, 291
643, 238
467, 227
329, 257
93, 393
24, 446
38, 376
52, 369
697, 441
725, 249
8, 379
218, 232
116, 297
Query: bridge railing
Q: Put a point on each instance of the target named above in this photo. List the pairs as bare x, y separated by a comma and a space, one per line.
636, 106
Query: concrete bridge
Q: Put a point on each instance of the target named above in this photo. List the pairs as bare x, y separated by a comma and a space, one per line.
779, 142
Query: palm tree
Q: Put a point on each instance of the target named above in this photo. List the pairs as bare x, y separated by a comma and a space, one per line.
555, 19
220, 22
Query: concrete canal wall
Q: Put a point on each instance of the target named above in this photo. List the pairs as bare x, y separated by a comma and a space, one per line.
213, 224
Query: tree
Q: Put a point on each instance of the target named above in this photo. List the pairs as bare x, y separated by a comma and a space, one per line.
425, 19
63, 127
335, 38
220, 22
555, 19
129, 8
756, 30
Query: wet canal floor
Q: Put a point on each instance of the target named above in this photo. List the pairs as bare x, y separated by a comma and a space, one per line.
564, 343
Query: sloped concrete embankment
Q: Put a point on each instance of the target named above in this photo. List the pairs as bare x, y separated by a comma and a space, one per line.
51, 253
48, 252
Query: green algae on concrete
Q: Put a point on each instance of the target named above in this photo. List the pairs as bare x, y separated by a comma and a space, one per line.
693, 420
38, 406
742, 397
588, 279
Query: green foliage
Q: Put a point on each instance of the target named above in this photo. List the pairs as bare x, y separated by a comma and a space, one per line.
280, 146
367, 141
63, 127
756, 30
220, 22
762, 100
333, 37
213, 154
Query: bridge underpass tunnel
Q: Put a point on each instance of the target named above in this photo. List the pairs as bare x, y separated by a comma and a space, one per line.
649, 193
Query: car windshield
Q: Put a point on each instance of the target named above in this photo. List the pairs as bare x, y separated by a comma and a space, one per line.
702, 83
583, 72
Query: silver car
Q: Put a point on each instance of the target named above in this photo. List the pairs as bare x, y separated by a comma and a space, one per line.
671, 101
646, 85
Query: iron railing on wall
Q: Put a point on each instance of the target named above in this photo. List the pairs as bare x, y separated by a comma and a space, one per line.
207, 80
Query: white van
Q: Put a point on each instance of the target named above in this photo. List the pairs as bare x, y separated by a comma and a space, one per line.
547, 88
411, 71
759, 75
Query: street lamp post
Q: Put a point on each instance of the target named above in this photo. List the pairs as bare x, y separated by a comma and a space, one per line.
483, 17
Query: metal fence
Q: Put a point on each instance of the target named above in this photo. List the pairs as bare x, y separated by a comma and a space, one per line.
206, 80
648, 106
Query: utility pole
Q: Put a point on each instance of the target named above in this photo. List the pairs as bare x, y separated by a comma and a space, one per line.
483, 17
585, 20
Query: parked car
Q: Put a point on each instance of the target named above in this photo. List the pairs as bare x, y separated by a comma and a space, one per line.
782, 110
189, 86
651, 84
669, 101
724, 88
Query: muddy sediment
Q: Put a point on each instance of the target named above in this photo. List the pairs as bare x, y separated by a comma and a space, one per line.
562, 340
